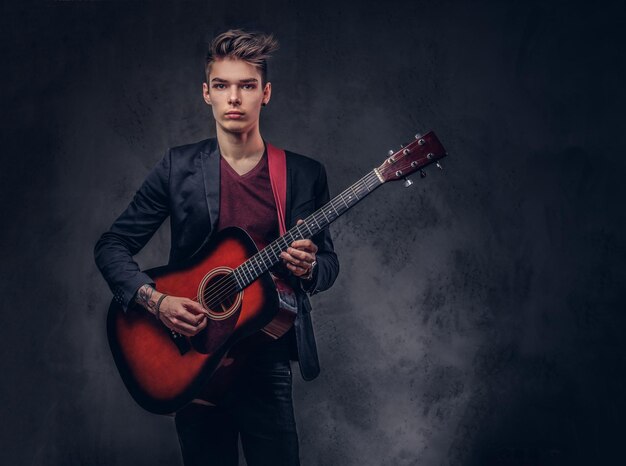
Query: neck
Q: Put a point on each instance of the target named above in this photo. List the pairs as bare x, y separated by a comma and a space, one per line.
240, 146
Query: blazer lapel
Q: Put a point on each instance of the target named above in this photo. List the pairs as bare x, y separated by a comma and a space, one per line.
210, 156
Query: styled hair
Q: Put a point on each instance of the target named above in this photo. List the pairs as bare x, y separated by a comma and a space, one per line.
253, 47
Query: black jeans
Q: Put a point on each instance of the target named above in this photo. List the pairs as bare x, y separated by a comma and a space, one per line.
259, 408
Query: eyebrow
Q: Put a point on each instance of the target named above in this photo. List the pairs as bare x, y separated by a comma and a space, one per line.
247, 80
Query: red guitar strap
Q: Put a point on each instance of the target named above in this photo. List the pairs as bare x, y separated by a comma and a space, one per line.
277, 164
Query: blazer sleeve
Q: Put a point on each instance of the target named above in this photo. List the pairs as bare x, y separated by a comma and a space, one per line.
327, 268
131, 231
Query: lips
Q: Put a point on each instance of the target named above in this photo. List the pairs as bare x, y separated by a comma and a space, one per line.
234, 114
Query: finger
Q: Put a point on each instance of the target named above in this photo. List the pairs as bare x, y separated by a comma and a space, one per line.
293, 269
198, 320
203, 323
296, 270
182, 327
183, 314
193, 329
305, 244
289, 259
195, 307
302, 255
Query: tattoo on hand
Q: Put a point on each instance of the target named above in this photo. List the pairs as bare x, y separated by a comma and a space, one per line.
145, 297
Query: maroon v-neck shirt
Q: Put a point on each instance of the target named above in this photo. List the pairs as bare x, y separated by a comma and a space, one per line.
247, 201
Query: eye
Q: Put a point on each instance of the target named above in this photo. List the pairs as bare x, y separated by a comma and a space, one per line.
248, 87
218, 86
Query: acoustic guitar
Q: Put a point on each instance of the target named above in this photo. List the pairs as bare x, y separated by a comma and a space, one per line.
164, 370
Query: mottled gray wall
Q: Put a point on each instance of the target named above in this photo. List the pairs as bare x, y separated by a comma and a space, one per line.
478, 318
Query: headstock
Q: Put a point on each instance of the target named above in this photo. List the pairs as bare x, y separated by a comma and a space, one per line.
420, 153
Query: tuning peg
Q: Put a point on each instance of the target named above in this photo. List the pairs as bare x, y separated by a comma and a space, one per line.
407, 182
439, 166
422, 173
418, 135
390, 152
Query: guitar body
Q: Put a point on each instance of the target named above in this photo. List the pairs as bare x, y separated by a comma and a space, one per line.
163, 371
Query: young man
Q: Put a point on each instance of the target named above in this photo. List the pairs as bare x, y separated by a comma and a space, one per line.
205, 187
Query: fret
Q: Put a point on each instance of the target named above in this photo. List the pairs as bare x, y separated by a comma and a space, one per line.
250, 266
322, 210
307, 227
245, 274
246, 266
258, 268
375, 181
264, 258
284, 241
244, 278
270, 249
316, 222
333, 206
276, 256
312, 228
299, 233
279, 247
259, 264
344, 201
239, 284
253, 271
355, 194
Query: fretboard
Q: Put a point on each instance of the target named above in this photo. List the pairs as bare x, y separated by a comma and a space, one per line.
269, 256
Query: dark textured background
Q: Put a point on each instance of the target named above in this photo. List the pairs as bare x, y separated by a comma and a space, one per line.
478, 318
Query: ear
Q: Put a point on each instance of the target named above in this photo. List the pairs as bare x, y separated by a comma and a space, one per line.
267, 92
205, 93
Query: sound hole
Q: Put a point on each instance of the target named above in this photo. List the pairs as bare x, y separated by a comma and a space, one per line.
218, 294
223, 305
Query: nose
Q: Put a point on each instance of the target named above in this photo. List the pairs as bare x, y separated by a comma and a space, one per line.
234, 98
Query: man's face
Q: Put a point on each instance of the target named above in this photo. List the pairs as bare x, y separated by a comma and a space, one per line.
235, 94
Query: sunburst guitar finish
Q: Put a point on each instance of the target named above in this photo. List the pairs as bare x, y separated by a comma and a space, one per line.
165, 371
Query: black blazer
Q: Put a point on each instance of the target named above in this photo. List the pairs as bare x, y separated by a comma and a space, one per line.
185, 186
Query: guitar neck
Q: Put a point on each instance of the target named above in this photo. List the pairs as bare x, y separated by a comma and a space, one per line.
269, 256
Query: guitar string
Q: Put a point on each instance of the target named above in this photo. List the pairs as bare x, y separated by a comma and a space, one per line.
226, 281
226, 286
226, 289
222, 288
